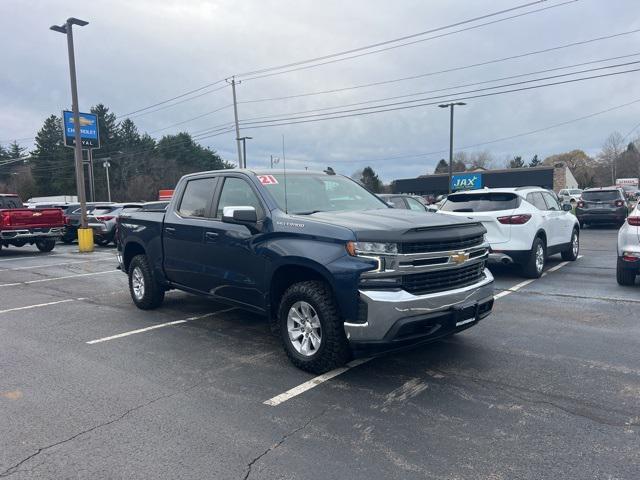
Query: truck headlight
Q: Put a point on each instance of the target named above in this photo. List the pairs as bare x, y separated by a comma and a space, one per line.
371, 248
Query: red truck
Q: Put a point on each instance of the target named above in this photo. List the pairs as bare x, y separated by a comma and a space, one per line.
20, 226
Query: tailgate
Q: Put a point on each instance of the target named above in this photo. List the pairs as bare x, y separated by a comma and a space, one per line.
496, 231
32, 218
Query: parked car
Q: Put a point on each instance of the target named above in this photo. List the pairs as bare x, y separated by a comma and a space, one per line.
628, 265
570, 195
602, 205
524, 225
20, 226
157, 205
102, 220
631, 192
410, 202
336, 270
72, 220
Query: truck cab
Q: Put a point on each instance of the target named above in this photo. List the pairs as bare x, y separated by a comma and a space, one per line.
336, 271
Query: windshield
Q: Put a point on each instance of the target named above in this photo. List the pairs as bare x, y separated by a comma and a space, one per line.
575, 192
480, 202
311, 193
601, 196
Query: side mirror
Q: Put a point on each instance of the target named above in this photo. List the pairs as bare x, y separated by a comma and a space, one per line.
241, 215
567, 207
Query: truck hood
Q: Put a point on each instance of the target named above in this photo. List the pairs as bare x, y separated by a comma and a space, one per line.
392, 225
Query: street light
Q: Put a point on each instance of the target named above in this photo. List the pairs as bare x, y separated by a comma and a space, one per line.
244, 150
451, 105
85, 235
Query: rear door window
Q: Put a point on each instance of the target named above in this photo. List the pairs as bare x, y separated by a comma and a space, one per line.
551, 202
197, 197
601, 196
481, 202
535, 198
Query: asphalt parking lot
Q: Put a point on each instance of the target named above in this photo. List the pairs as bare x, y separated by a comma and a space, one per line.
548, 387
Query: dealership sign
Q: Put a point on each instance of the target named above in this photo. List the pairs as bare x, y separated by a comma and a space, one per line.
466, 181
89, 133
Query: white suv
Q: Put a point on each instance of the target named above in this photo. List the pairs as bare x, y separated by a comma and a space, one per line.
524, 225
628, 266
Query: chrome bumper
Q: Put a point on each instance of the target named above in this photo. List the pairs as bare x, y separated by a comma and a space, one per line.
386, 308
26, 233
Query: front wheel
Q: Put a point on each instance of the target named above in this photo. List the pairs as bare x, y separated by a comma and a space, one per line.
45, 244
537, 258
571, 254
146, 293
311, 328
625, 276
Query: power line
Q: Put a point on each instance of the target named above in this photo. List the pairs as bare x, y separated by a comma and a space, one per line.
394, 105
192, 119
305, 67
460, 86
448, 70
631, 131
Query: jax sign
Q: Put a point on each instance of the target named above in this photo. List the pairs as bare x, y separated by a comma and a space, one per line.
466, 181
89, 133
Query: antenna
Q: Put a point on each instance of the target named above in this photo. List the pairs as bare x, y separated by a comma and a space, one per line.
284, 167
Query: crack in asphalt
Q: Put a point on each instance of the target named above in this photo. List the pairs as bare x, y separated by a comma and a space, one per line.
14, 469
280, 442
508, 389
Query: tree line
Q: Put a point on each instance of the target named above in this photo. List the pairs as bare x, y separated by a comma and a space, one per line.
139, 164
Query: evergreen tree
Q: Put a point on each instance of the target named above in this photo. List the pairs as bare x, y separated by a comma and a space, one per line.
535, 161
442, 167
370, 180
52, 163
516, 162
15, 150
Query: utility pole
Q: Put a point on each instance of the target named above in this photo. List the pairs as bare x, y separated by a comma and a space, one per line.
235, 114
450, 106
85, 243
106, 166
92, 182
244, 149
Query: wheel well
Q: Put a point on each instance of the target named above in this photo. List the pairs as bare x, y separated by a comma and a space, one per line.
130, 251
286, 276
542, 235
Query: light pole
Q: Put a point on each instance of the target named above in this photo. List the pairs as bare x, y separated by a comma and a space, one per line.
106, 165
244, 150
450, 106
85, 235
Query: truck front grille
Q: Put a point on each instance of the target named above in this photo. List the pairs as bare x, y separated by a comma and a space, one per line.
441, 246
441, 280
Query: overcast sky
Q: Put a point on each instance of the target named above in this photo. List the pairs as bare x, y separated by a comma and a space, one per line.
137, 53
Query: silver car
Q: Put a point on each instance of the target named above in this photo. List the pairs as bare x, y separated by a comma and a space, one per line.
629, 249
103, 219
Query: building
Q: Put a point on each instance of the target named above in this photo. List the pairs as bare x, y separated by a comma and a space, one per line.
554, 178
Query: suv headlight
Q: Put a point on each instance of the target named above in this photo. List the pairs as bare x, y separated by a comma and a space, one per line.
371, 248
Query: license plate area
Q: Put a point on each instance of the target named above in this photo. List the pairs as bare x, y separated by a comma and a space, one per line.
465, 314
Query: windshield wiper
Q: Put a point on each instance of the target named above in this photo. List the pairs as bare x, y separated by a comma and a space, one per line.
463, 210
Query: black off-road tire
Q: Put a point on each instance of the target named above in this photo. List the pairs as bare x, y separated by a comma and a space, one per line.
530, 269
569, 255
334, 349
46, 244
624, 276
153, 293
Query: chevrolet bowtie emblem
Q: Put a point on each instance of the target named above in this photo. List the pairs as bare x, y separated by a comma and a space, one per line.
459, 257
37, 214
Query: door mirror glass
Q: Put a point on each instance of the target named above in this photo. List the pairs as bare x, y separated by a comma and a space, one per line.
242, 215
566, 207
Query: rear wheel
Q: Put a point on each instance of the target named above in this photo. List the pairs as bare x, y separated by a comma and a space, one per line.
145, 291
311, 328
535, 264
45, 244
625, 276
571, 254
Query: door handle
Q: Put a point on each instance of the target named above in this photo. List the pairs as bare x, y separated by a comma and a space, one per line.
210, 236
169, 230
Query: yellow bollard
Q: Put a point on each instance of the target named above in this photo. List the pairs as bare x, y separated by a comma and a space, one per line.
85, 240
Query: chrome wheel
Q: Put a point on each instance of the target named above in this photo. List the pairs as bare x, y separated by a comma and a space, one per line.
575, 244
305, 331
137, 283
539, 258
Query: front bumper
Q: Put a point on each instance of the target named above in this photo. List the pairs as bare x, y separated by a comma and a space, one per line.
398, 318
31, 233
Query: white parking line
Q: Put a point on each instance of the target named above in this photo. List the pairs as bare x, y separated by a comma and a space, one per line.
40, 305
41, 280
160, 325
31, 267
36, 256
314, 382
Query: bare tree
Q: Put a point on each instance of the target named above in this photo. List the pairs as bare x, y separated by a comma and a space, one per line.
613, 147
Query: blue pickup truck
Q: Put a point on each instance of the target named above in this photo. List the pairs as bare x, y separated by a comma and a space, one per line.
336, 271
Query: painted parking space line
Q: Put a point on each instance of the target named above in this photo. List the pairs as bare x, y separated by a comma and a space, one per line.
31, 267
160, 325
41, 305
53, 279
314, 382
37, 256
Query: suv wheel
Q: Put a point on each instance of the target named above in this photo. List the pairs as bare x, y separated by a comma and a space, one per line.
571, 254
535, 264
45, 244
311, 328
625, 276
146, 293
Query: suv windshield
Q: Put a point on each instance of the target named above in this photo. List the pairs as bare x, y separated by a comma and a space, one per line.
601, 196
480, 202
311, 193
